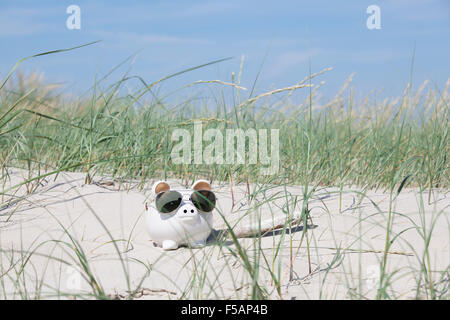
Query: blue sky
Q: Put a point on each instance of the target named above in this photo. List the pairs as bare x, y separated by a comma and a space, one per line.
281, 35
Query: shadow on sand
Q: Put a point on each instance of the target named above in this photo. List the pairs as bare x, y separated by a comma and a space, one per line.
219, 236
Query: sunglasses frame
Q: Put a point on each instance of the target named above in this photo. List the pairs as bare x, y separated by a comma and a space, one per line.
190, 199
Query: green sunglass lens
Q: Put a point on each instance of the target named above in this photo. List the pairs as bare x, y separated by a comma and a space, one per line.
168, 201
204, 200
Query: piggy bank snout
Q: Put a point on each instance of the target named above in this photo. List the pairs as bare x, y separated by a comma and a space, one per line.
187, 210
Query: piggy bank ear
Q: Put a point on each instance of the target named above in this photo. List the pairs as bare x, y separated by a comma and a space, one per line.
160, 186
201, 185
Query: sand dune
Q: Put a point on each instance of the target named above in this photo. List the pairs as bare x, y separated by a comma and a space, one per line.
105, 219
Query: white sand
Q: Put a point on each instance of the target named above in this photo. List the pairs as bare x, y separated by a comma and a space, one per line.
31, 230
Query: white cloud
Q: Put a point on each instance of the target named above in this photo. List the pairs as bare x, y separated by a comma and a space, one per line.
143, 39
202, 9
18, 27
375, 55
290, 59
20, 22
145, 12
418, 10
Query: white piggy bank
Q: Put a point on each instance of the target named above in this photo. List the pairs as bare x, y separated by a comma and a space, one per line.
181, 216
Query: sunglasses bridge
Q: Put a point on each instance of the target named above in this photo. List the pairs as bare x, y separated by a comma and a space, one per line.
189, 197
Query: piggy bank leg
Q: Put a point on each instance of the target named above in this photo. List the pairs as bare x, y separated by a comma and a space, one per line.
169, 245
198, 244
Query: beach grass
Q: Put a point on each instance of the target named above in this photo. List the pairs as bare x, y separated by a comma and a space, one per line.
371, 144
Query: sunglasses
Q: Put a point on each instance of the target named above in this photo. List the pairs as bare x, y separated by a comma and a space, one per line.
168, 201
